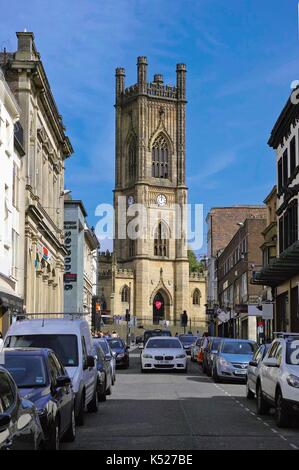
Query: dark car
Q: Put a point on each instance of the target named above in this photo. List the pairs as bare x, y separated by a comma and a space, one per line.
209, 354
104, 385
121, 352
156, 332
187, 341
109, 355
42, 379
20, 427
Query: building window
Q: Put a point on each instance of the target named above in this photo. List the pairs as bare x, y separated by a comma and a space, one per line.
15, 187
285, 169
280, 179
161, 240
132, 160
125, 294
132, 248
293, 156
196, 297
288, 227
160, 164
15, 251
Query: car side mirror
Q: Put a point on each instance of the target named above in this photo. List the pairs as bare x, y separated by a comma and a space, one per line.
90, 362
253, 363
271, 362
4, 421
63, 381
108, 357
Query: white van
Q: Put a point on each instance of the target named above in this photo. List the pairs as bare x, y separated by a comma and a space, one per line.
71, 340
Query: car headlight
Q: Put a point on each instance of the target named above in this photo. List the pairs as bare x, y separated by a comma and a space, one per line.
225, 363
180, 356
120, 355
147, 356
293, 381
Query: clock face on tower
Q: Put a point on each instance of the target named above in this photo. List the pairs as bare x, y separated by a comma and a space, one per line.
161, 200
130, 200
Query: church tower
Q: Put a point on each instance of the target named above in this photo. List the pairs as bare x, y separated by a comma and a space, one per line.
150, 171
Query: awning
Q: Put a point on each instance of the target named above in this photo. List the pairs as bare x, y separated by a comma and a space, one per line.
280, 269
9, 300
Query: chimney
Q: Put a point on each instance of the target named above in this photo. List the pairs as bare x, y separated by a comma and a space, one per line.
142, 70
26, 48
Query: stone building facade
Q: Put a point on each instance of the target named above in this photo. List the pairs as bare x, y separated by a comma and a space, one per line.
46, 148
149, 273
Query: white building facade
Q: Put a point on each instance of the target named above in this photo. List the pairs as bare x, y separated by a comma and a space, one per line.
11, 207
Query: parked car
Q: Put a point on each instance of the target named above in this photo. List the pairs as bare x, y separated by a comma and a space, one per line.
232, 359
163, 353
121, 352
278, 379
42, 379
71, 341
104, 373
201, 347
187, 341
209, 354
253, 370
20, 427
194, 349
109, 354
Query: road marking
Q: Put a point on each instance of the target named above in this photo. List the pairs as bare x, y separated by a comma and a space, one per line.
274, 430
294, 447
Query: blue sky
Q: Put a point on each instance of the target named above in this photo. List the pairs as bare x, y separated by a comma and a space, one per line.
241, 57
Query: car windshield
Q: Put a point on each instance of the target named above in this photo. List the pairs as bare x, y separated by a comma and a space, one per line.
27, 371
158, 343
188, 339
238, 347
104, 346
215, 343
64, 346
292, 352
115, 343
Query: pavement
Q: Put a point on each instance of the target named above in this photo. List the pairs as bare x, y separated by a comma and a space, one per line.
176, 411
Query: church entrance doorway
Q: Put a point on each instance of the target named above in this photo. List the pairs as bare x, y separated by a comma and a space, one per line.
158, 308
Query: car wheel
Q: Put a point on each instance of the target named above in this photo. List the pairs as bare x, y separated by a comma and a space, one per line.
70, 434
102, 393
109, 391
203, 367
54, 439
249, 394
81, 418
215, 375
282, 415
92, 406
262, 407
209, 373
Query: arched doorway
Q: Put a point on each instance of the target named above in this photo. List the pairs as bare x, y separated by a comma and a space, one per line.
158, 308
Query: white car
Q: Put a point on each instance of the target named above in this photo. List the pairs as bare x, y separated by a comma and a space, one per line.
162, 353
70, 339
278, 379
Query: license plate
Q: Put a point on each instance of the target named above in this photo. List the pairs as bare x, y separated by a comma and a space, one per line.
163, 362
240, 372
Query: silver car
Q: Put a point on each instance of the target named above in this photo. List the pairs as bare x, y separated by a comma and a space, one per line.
103, 343
232, 359
253, 370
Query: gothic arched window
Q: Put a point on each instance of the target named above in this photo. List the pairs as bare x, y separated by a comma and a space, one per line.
161, 240
132, 159
125, 294
196, 297
160, 155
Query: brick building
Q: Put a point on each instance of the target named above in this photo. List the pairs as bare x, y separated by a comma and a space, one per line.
222, 226
235, 267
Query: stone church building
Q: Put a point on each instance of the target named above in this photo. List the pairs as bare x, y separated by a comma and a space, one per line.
148, 273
